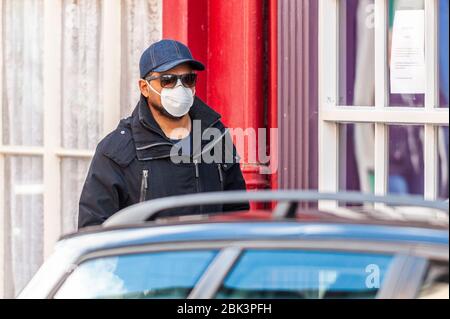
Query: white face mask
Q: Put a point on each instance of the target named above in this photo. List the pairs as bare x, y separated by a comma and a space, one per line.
177, 101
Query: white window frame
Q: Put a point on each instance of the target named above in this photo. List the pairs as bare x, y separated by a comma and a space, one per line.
52, 151
331, 114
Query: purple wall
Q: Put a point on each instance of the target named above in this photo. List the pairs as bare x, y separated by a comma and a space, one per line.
298, 93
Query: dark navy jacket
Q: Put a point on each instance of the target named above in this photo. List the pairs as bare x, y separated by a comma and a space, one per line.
133, 164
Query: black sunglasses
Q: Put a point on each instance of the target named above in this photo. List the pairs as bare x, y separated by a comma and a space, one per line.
170, 80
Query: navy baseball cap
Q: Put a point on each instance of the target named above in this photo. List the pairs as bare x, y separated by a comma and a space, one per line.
165, 55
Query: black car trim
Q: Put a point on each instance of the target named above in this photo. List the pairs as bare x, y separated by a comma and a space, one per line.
215, 274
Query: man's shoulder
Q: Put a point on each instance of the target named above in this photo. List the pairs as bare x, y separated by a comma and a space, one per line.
118, 145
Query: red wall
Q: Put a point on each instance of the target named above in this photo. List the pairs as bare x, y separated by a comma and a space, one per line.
228, 36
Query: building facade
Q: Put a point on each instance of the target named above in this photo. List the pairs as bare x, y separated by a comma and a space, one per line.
323, 73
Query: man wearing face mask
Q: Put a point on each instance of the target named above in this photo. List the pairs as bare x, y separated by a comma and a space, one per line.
136, 162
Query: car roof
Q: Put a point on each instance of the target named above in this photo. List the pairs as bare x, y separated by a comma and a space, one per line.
235, 227
351, 216
409, 208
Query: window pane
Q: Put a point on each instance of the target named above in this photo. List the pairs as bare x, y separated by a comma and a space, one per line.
23, 219
356, 157
443, 156
22, 72
141, 276
435, 284
443, 54
356, 53
405, 159
82, 67
406, 170
73, 175
406, 53
142, 26
305, 275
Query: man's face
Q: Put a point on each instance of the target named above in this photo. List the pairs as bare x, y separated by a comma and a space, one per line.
153, 99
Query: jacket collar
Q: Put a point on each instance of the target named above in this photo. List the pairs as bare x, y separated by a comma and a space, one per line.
149, 139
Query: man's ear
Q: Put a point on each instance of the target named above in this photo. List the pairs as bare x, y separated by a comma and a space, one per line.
143, 87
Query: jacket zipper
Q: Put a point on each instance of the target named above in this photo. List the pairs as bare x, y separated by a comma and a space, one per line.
144, 185
197, 181
219, 168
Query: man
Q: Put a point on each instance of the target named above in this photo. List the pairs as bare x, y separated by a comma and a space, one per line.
137, 162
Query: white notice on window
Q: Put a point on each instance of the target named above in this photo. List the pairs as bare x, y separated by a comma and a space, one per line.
408, 53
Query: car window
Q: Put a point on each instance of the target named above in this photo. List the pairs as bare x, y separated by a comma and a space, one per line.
305, 275
147, 275
436, 282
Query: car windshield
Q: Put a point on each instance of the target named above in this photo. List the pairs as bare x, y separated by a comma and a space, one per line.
170, 274
305, 275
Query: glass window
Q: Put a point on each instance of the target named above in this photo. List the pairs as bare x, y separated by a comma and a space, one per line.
141, 25
82, 67
23, 35
73, 175
443, 161
443, 54
406, 61
406, 160
24, 231
305, 275
81, 116
138, 276
356, 53
436, 284
22, 125
356, 157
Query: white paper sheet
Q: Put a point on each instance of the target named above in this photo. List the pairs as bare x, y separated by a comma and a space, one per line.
408, 52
